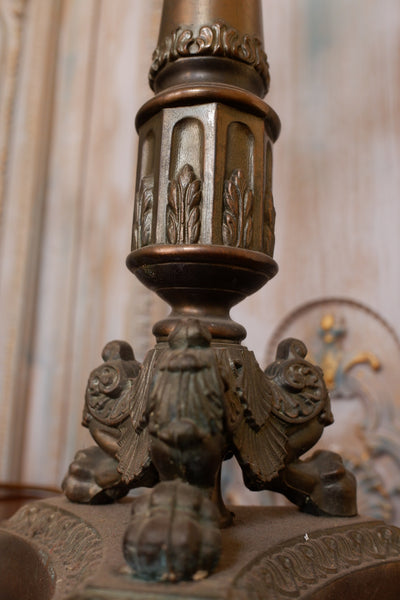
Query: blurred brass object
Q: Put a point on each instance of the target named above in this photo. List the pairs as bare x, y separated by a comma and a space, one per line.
359, 353
364, 358
331, 359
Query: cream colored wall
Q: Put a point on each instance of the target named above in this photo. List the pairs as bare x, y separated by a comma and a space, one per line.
73, 75
77, 78
336, 87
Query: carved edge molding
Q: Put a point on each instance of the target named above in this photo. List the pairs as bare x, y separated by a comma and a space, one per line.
301, 564
217, 39
69, 545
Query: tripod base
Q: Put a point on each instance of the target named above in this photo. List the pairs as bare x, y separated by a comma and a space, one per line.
73, 552
169, 424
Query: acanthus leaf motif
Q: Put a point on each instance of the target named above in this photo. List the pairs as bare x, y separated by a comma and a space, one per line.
172, 213
143, 216
269, 225
192, 211
269, 210
147, 209
237, 227
183, 209
194, 225
248, 227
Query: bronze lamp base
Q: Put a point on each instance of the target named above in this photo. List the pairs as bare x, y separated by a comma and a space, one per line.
203, 240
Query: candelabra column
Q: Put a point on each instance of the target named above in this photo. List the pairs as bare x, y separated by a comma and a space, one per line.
203, 240
203, 193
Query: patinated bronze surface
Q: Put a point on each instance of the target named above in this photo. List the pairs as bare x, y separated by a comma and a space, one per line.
75, 553
203, 240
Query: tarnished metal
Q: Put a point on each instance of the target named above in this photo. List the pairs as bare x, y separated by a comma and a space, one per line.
203, 240
205, 34
204, 177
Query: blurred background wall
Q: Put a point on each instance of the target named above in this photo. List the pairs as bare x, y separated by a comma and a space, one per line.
72, 76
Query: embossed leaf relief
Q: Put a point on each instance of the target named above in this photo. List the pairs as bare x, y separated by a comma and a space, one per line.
292, 569
237, 227
144, 213
218, 39
146, 198
73, 545
269, 225
183, 210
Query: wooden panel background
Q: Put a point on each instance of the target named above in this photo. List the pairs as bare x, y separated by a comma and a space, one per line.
72, 76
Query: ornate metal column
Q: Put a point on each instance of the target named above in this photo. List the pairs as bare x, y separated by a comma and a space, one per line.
203, 195
203, 240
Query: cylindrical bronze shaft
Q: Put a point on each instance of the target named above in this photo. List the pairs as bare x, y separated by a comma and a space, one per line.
245, 16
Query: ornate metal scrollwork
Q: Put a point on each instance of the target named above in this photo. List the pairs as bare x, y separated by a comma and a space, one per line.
217, 39
192, 405
300, 392
300, 565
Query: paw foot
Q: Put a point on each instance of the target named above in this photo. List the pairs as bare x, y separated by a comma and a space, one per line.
173, 534
93, 478
322, 485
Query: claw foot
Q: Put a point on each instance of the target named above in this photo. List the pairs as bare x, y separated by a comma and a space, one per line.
173, 535
321, 485
93, 478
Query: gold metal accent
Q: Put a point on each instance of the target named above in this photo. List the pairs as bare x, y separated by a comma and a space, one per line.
364, 358
332, 358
